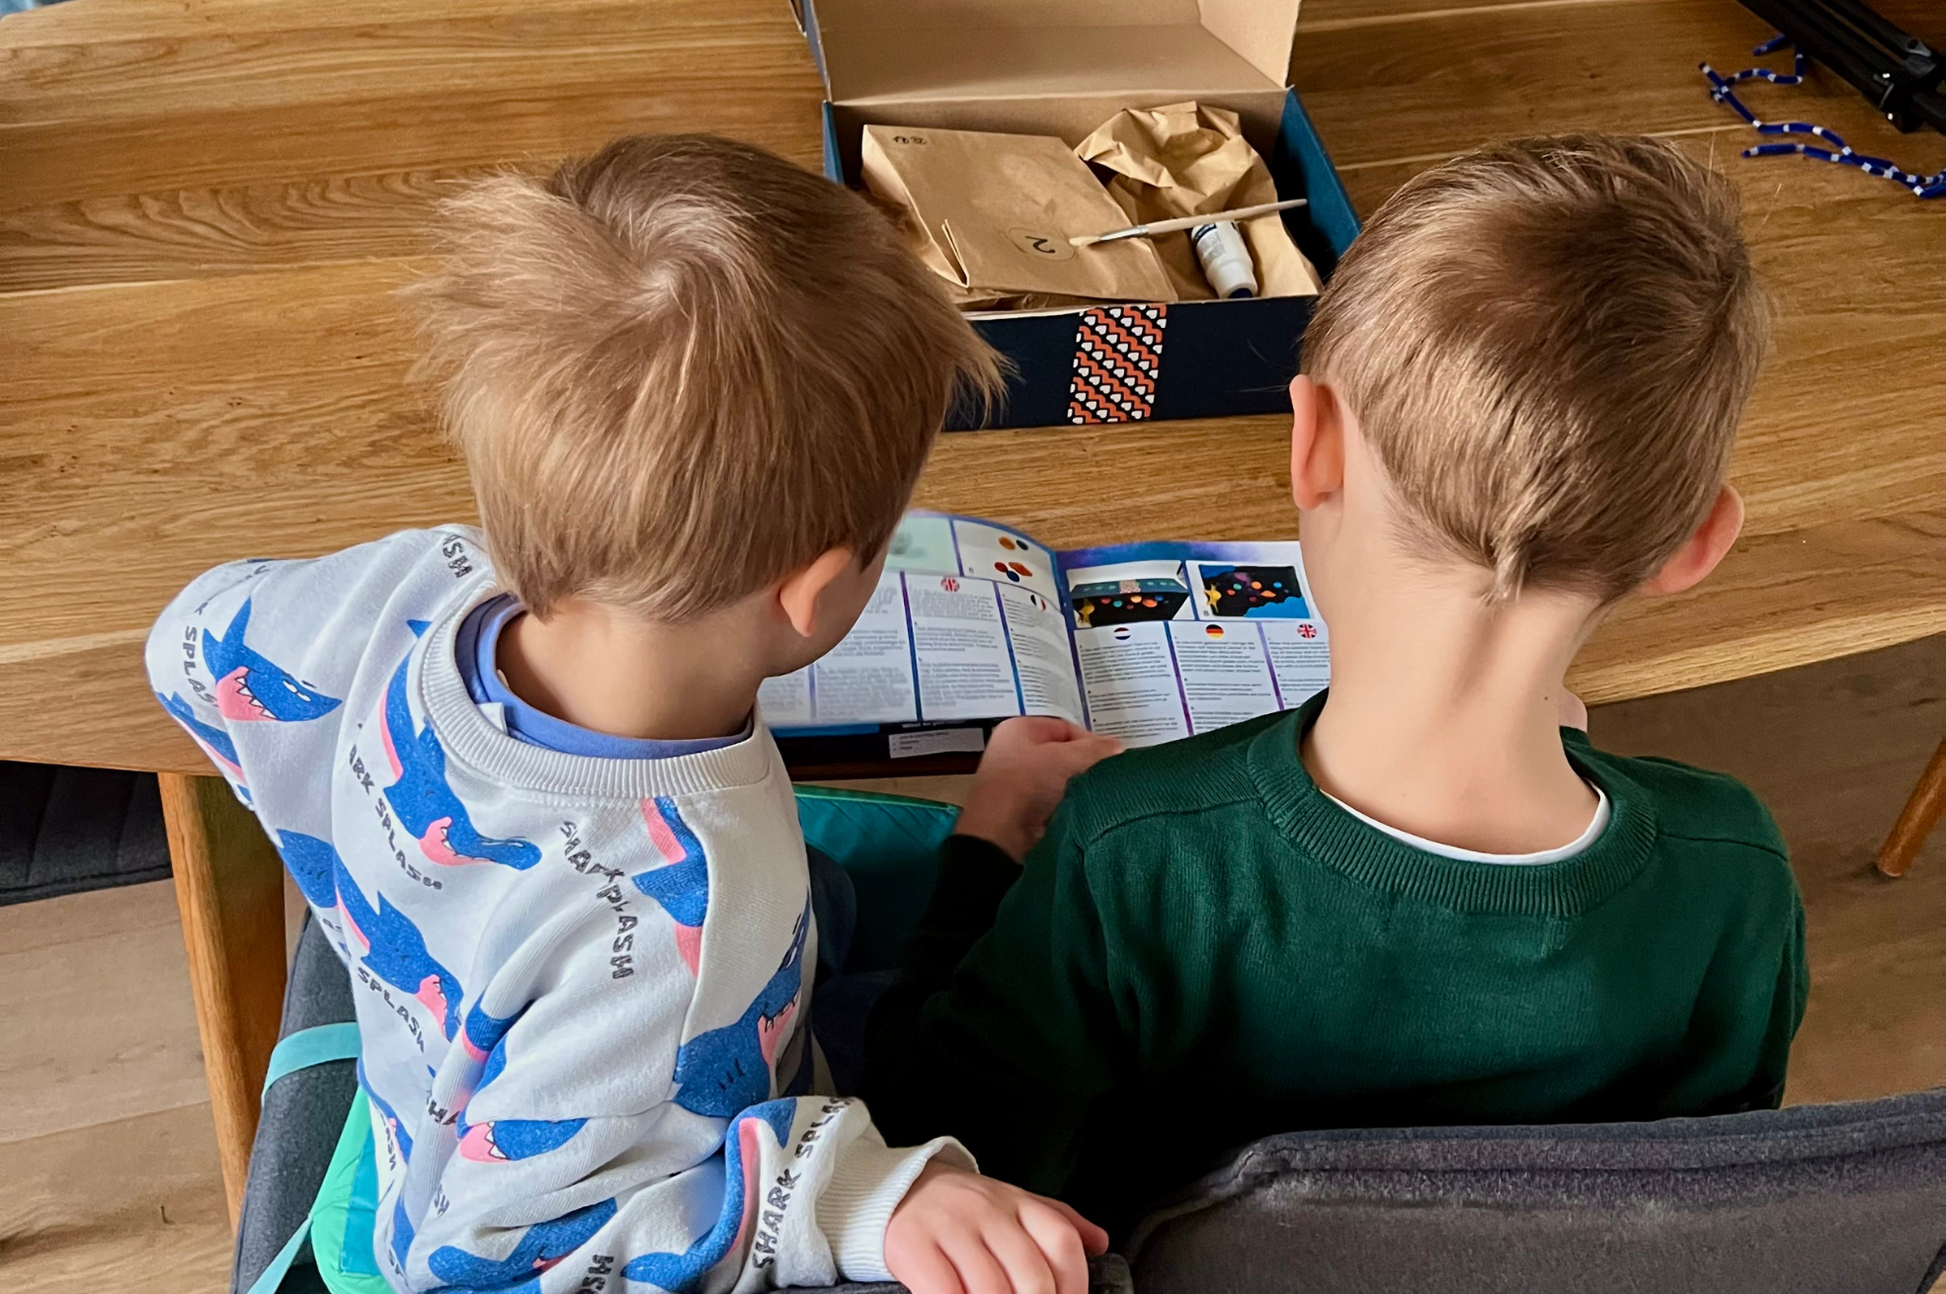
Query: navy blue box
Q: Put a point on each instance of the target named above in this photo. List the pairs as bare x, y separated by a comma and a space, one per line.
920, 63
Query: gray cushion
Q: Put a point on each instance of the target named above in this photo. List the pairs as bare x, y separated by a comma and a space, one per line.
1833, 1198
302, 1117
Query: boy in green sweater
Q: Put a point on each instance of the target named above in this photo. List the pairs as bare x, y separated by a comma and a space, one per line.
1422, 898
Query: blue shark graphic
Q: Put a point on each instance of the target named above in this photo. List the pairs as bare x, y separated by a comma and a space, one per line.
742, 1159
505, 1138
215, 742
396, 952
402, 1232
543, 1245
426, 806
495, 1064
514, 1138
729, 1069
250, 687
481, 1035
681, 885
313, 864
386, 1112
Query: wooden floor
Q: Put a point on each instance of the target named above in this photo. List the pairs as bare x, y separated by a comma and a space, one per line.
108, 1172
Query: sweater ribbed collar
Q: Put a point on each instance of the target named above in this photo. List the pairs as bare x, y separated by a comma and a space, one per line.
1325, 832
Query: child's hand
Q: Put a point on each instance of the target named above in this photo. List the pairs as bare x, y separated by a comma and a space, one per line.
956, 1232
1022, 776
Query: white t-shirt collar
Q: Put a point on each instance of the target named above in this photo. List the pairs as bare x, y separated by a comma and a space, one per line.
1596, 825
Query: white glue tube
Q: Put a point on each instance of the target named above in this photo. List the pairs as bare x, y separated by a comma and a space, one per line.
1226, 259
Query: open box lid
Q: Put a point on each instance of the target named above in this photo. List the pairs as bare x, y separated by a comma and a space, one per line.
990, 64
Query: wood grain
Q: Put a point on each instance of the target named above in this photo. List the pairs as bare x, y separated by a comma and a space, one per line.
319, 354
1458, 76
1917, 820
1831, 749
230, 889
220, 197
678, 46
1319, 17
116, 971
125, 1204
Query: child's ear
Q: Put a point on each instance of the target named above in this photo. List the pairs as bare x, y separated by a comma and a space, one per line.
1707, 545
799, 593
1317, 443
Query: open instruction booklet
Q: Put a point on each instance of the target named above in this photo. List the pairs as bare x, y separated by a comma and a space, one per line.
973, 623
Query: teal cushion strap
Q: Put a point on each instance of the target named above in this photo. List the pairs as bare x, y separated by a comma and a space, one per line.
295, 1051
273, 1275
308, 1047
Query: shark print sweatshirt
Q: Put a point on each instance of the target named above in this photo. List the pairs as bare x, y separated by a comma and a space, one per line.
583, 984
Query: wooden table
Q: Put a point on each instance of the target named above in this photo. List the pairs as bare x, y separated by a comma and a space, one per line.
205, 206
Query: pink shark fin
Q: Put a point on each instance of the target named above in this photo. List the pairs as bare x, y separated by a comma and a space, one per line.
689, 944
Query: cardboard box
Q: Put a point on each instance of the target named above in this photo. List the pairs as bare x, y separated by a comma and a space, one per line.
1062, 67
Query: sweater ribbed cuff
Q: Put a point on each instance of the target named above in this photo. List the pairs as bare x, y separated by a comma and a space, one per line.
866, 1185
974, 875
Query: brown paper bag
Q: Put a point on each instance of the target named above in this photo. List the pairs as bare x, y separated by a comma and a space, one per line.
993, 214
1184, 160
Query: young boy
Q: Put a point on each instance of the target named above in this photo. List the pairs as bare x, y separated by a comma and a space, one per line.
519, 775
1418, 899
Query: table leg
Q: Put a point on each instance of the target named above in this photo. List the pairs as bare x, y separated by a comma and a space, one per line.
230, 889
1922, 813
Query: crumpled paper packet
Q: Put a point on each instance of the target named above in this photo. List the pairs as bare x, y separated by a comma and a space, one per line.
993, 214
1185, 159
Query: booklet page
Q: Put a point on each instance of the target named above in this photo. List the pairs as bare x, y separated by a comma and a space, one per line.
1182, 638
966, 624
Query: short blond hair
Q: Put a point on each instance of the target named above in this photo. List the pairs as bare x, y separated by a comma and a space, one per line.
1549, 344
682, 368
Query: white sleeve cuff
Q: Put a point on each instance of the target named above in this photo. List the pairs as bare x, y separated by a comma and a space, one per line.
866, 1185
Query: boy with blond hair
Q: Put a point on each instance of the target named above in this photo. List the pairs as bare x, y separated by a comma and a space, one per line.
1422, 898
519, 774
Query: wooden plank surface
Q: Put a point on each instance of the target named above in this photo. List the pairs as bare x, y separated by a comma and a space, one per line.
208, 205
116, 969
127, 1204
229, 888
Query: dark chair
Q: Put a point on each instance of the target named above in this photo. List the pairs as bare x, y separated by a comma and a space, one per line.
1838, 1199
1829, 1198
302, 1115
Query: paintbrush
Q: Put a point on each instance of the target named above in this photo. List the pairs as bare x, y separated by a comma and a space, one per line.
1183, 222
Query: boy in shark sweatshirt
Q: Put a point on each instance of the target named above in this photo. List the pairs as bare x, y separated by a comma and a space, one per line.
520, 778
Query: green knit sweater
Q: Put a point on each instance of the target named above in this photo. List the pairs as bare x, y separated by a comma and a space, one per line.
1206, 950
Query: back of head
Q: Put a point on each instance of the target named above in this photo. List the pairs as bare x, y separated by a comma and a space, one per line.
683, 368
1548, 343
